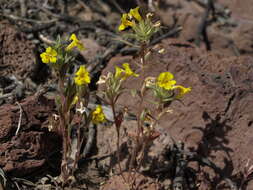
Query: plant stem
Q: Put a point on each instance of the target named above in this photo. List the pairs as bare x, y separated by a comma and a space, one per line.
139, 122
117, 126
64, 131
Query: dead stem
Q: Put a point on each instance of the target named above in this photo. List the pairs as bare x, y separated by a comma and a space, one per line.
139, 121
64, 132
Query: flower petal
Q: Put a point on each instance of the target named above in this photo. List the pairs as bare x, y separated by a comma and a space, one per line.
135, 13
98, 115
182, 91
82, 76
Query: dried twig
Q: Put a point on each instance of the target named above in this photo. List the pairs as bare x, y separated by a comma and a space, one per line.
6, 96
23, 7
20, 118
46, 40
17, 18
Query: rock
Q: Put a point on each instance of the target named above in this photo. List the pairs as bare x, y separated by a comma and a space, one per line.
92, 48
33, 147
17, 53
230, 33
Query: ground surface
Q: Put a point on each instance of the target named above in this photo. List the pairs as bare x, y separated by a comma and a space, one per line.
214, 122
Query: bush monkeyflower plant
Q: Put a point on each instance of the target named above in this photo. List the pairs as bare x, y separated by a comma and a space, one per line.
142, 28
165, 89
113, 89
72, 92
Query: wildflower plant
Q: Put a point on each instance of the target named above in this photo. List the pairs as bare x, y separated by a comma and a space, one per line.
164, 89
73, 94
113, 89
141, 28
71, 101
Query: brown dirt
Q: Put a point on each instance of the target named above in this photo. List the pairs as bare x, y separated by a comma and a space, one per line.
141, 183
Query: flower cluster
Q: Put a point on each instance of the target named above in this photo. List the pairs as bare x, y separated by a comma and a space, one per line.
165, 80
119, 75
125, 72
55, 56
75, 43
143, 28
127, 19
165, 88
51, 53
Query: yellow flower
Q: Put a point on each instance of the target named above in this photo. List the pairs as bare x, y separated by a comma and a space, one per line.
128, 71
182, 91
75, 43
125, 22
82, 76
118, 72
50, 56
165, 80
98, 115
135, 13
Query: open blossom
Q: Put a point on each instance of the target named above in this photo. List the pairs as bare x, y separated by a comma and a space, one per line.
128, 71
135, 13
181, 91
82, 76
125, 22
127, 18
75, 43
165, 80
125, 72
118, 72
49, 56
98, 115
